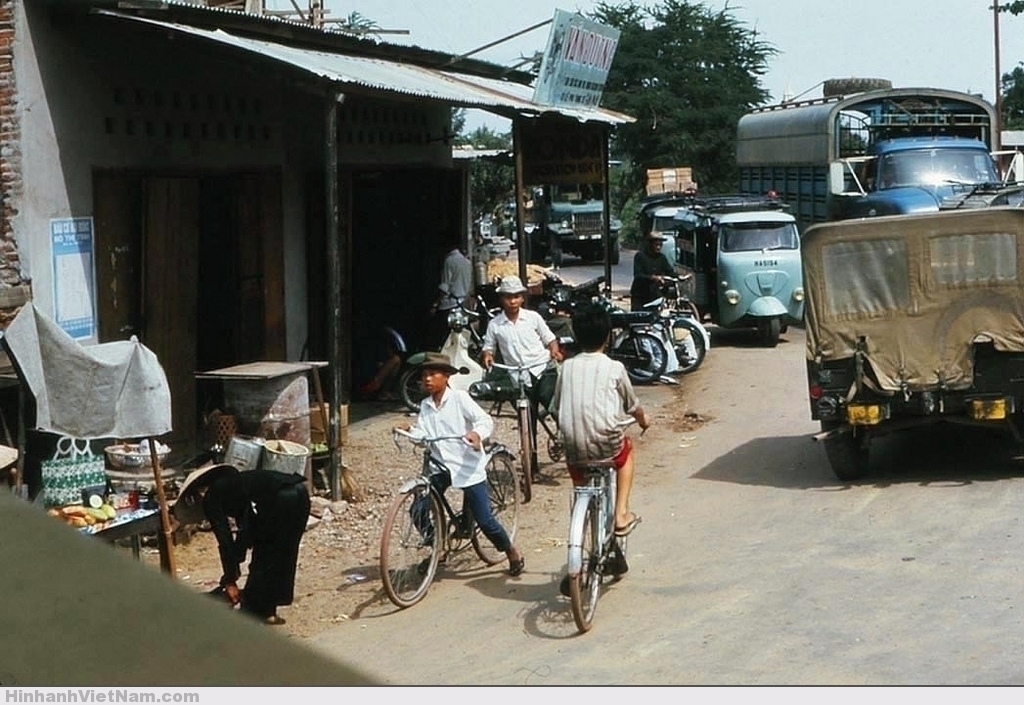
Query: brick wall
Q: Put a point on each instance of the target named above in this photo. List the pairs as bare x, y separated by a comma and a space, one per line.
14, 289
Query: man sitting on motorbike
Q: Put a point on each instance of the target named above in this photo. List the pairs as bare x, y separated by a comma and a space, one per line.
649, 266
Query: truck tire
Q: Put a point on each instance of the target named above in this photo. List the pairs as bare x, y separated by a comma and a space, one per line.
847, 454
613, 259
848, 86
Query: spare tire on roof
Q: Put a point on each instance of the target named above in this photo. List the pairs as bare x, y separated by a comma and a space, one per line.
847, 86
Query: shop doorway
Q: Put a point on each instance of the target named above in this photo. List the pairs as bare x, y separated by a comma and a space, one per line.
181, 264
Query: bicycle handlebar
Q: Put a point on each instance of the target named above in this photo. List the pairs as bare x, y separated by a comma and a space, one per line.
397, 433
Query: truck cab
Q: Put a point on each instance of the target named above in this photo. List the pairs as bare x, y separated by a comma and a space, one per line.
572, 222
911, 175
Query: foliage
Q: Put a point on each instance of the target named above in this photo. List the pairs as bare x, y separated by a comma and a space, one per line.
1012, 89
358, 25
1014, 8
491, 180
687, 74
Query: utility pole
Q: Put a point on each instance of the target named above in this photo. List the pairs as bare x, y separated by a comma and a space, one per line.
999, 79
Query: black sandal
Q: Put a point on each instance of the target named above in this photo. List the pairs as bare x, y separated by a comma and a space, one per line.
516, 567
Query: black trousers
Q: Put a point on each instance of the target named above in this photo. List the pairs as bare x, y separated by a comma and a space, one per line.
277, 533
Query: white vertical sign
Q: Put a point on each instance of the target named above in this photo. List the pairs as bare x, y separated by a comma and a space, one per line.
74, 276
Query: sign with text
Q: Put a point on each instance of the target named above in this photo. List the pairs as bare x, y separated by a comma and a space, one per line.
561, 152
576, 63
74, 276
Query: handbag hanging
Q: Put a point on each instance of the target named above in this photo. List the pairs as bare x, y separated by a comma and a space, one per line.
72, 468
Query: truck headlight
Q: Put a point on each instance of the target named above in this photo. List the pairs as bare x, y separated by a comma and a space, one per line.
565, 225
798, 293
732, 296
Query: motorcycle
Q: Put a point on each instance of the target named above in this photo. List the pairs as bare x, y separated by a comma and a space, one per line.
636, 340
680, 327
462, 346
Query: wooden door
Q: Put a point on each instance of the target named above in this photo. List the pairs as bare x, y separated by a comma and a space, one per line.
169, 290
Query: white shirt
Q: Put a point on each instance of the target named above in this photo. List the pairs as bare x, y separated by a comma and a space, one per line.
524, 341
456, 280
456, 415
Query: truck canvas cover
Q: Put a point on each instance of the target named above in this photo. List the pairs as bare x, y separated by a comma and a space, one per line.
919, 290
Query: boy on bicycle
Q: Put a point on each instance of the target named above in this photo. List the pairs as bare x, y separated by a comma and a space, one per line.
593, 402
452, 412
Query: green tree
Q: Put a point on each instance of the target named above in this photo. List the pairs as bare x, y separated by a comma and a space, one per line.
491, 179
687, 74
1012, 89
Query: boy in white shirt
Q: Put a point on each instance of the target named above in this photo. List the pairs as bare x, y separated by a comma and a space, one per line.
452, 412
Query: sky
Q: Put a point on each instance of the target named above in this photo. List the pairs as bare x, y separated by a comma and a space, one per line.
914, 43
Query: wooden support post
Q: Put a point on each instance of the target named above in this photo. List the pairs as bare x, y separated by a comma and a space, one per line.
167, 563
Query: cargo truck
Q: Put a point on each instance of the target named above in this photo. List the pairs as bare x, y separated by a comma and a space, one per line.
887, 151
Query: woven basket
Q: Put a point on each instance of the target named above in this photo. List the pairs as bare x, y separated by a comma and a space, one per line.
220, 428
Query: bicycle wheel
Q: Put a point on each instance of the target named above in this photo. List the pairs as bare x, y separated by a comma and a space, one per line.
411, 545
503, 493
525, 452
411, 389
585, 588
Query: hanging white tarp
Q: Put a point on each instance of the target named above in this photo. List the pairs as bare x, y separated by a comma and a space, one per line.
111, 390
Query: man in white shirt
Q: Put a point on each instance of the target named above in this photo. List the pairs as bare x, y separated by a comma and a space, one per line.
523, 338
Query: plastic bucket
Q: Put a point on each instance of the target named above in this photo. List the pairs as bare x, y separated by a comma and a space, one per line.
285, 456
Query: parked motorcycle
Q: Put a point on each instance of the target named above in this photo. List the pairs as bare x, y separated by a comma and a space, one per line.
636, 340
680, 328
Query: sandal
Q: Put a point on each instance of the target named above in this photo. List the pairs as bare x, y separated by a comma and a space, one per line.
274, 620
628, 528
516, 567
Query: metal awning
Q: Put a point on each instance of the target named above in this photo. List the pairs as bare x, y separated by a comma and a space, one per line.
347, 71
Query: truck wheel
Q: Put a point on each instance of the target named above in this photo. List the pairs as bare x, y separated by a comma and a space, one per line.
848, 86
847, 454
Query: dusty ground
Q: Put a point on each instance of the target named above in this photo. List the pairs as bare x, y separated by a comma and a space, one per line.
338, 578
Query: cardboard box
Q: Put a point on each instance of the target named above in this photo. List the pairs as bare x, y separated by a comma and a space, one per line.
670, 180
318, 428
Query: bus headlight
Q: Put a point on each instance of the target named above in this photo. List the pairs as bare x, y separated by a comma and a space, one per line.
798, 293
732, 296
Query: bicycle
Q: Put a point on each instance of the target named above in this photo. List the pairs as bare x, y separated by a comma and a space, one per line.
594, 549
486, 389
422, 528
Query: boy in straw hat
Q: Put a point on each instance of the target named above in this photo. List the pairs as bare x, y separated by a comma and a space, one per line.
270, 510
452, 412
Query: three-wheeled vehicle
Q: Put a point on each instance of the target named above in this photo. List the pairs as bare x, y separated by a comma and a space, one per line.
745, 255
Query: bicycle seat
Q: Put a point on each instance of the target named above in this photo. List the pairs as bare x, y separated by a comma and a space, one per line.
625, 318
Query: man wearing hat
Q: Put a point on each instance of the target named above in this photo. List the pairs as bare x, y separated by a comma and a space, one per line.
523, 338
452, 412
649, 265
270, 510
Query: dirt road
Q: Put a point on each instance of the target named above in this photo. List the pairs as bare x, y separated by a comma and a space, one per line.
753, 565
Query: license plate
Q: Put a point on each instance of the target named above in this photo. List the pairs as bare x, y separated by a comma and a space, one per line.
864, 414
988, 409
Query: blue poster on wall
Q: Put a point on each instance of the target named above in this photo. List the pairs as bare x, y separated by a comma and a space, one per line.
74, 276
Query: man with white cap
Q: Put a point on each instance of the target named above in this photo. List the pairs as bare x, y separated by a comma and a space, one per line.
523, 338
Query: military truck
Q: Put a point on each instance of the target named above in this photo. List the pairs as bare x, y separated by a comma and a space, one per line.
569, 219
913, 320
878, 152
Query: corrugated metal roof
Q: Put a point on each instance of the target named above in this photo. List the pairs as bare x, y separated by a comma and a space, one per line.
392, 77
